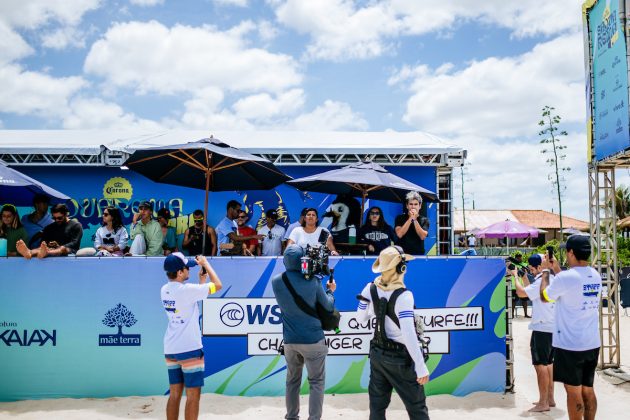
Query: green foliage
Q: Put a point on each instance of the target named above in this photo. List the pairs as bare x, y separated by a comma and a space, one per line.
622, 201
623, 252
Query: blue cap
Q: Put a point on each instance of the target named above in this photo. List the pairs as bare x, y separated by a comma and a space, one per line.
534, 260
177, 261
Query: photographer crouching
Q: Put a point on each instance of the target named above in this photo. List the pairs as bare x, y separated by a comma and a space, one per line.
303, 333
396, 356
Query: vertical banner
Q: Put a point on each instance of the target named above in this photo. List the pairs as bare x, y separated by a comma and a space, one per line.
89, 327
609, 67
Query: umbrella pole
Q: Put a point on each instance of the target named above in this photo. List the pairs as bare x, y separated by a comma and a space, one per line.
362, 208
205, 213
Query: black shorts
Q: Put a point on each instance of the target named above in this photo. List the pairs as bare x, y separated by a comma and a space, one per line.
575, 367
541, 348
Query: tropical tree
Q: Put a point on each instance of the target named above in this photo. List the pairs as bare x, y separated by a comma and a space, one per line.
553, 150
622, 201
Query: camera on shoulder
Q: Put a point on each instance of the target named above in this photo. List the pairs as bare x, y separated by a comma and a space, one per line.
315, 261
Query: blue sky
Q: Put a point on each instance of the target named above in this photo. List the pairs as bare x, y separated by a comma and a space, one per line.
475, 73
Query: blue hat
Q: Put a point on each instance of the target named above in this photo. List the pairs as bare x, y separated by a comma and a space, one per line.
580, 243
534, 260
177, 261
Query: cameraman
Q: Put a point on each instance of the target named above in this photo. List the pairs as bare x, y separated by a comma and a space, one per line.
303, 335
396, 361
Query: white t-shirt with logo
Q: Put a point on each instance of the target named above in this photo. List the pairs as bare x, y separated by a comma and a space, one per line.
576, 292
180, 303
272, 244
300, 237
543, 313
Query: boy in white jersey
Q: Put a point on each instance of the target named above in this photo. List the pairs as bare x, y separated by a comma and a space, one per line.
183, 349
542, 326
576, 338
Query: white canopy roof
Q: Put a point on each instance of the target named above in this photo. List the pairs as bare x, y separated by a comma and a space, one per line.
92, 142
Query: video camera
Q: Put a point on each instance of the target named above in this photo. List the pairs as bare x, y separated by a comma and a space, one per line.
315, 261
513, 263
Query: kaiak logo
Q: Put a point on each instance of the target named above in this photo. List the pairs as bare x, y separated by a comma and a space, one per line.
26, 338
119, 316
117, 188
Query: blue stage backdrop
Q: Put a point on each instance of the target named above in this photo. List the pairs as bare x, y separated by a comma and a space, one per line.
92, 189
86, 327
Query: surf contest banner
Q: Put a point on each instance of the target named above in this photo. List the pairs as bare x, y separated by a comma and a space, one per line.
89, 327
93, 189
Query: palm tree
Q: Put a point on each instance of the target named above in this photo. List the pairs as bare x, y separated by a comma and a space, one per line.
622, 201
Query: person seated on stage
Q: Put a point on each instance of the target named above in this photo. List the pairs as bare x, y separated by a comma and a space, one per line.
193, 237
411, 229
111, 238
375, 232
146, 233
60, 238
11, 229
312, 234
249, 247
169, 245
36, 221
228, 238
295, 224
272, 243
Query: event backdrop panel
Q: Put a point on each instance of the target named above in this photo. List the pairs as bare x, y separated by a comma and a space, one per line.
86, 327
92, 189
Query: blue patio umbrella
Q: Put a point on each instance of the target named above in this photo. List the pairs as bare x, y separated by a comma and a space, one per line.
207, 164
362, 180
19, 189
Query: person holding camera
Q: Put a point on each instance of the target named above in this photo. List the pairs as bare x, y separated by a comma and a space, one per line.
396, 360
183, 349
576, 337
542, 326
302, 333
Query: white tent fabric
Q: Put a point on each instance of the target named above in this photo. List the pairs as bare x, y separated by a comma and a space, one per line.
92, 142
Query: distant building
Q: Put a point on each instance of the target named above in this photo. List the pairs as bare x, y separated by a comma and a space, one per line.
547, 223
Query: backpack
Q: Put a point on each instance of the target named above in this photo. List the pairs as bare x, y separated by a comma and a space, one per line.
383, 308
329, 319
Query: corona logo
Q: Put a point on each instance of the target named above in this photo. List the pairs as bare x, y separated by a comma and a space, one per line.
117, 188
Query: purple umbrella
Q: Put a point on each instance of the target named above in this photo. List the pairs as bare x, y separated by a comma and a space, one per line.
507, 229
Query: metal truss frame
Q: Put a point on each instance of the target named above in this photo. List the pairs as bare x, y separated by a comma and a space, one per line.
603, 221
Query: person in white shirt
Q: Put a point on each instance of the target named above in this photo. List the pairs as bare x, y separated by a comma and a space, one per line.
272, 243
542, 326
183, 349
311, 234
576, 338
111, 238
396, 361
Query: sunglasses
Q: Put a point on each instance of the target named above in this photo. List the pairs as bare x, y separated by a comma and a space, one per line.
242, 217
106, 214
375, 213
59, 218
198, 220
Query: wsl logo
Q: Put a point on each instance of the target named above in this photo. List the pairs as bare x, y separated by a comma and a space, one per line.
119, 316
232, 314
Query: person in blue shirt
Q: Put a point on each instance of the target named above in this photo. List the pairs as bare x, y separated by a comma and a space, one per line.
36, 221
303, 334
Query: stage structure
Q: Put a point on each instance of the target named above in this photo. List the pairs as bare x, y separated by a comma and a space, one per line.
608, 135
423, 158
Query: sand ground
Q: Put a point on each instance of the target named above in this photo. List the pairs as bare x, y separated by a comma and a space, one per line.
613, 400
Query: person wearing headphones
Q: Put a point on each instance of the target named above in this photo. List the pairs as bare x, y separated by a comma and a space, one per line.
396, 361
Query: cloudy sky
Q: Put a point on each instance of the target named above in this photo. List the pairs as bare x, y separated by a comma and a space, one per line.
477, 76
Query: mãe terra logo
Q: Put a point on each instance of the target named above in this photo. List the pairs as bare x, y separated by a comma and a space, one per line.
117, 188
119, 316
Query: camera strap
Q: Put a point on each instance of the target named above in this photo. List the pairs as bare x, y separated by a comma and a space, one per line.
299, 301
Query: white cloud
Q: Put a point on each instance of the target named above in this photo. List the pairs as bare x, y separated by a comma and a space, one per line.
330, 116
146, 3
64, 37
514, 175
30, 14
239, 3
149, 57
264, 106
94, 113
12, 45
498, 97
348, 29
27, 92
